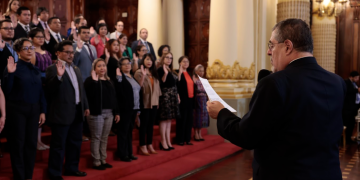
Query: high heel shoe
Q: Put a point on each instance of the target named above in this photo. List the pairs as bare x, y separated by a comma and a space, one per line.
171, 148
197, 139
144, 153
162, 148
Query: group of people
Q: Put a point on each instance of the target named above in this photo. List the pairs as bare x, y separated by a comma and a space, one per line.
90, 80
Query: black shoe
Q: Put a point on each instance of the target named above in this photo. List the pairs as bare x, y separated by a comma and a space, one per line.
202, 139
132, 157
171, 148
180, 144
100, 167
197, 139
56, 178
126, 159
106, 165
78, 173
162, 148
189, 143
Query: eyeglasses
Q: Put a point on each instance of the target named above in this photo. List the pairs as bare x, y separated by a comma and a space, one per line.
8, 29
40, 37
144, 50
185, 61
169, 58
26, 48
126, 64
272, 45
68, 52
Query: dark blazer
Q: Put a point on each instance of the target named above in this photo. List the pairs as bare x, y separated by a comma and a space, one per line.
4, 55
61, 96
139, 42
294, 124
94, 95
51, 46
20, 32
37, 26
124, 94
349, 102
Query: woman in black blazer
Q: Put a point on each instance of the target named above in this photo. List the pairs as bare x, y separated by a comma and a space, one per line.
186, 91
128, 95
25, 108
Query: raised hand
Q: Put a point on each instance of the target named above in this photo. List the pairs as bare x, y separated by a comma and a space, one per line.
165, 69
2, 17
117, 118
107, 54
96, 40
118, 72
122, 48
60, 68
11, 65
72, 24
75, 35
47, 34
13, 19
94, 76
2, 43
35, 19
41, 119
143, 70
136, 59
92, 30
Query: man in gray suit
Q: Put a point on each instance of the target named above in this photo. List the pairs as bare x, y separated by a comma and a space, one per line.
85, 52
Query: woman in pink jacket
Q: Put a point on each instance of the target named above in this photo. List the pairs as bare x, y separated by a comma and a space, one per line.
99, 41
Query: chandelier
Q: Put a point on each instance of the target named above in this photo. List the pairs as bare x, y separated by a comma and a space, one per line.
330, 7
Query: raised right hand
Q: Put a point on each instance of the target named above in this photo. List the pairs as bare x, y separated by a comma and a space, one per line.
72, 24
143, 70
60, 68
165, 69
118, 72
35, 20
94, 76
96, 39
11, 65
79, 43
136, 59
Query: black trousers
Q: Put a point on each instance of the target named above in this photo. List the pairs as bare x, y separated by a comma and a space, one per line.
124, 133
65, 141
185, 122
147, 118
349, 122
23, 123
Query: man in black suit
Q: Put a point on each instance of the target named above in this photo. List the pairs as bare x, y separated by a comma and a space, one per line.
55, 36
41, 18
294, 121
351, 104
6, 44
67, 107
23, 27
142, 41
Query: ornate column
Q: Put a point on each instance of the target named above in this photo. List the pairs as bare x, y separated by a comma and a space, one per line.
174, 27
150, 17
299, 9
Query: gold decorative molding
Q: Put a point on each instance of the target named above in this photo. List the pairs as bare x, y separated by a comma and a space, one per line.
220, 71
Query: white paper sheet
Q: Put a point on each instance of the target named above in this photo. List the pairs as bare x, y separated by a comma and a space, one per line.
213, 96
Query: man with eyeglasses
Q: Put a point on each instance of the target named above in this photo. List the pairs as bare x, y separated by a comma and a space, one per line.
294, 121
67, 107
23, 27
6, 44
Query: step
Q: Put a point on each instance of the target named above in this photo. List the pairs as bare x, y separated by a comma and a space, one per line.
185, 164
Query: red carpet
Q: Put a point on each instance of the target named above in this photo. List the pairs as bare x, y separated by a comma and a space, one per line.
165, 165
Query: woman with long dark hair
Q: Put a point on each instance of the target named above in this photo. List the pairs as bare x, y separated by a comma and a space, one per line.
148, 79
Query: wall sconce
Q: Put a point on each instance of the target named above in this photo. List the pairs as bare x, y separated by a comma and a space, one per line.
330, 7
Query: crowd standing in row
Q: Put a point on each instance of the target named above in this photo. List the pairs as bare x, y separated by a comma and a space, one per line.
89, 80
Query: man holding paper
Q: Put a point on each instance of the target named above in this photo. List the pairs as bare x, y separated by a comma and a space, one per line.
294, 121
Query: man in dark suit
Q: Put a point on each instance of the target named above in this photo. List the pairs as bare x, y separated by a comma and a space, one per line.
23, 27
294, 121
55, 36
41, 18
6, 44
142, 41
85, 53
351, 104
67, 107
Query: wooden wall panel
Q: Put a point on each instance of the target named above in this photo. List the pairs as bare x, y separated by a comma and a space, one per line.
347, 45
197, 19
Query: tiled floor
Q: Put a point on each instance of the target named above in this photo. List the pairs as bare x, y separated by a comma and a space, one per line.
239, 166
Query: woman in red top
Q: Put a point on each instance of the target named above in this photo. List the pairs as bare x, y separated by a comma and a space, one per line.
185, 88
99, 41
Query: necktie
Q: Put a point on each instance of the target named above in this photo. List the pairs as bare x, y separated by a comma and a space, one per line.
45, 24
58, 38
90, 52
27, 29
147, 46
